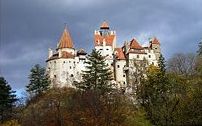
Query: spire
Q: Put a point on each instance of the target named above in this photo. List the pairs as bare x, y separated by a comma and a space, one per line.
104, 25
65, 39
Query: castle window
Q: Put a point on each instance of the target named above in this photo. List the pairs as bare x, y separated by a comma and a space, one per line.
138, 56
124, 82
64, 62
124, 75
71, 75
69, 61
54, 76
118, 66
107, 49
70, 67
152, 63
149, 56
100, 49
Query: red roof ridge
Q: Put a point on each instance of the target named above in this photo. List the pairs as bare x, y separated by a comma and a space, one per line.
134, 44
119, 54
155, 41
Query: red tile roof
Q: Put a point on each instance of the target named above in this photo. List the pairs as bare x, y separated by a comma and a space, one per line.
98, 39
119, 54
135, 45
65, 40
67, 55
155, 41
104, 25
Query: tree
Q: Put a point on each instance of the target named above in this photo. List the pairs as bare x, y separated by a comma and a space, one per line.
156, 95
161, 64
39, 81
183, 64
97, 75
200, 48
7, 99
69, 107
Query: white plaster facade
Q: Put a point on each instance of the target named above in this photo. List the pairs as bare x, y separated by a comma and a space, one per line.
65, 64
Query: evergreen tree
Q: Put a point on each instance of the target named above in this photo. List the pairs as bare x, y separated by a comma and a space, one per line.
155, 94
161, 64
7, 98
39, 81
97, 75
200, 48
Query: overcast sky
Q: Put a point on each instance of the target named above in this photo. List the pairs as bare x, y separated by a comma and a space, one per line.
30, 27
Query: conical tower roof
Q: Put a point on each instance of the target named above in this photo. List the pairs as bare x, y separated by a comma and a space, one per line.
65, 40
104, 25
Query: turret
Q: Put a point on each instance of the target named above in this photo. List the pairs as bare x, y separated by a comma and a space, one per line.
155, 45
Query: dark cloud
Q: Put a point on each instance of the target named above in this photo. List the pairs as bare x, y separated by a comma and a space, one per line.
29, 28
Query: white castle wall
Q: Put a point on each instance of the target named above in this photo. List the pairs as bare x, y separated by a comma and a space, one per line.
120, 73
64, 71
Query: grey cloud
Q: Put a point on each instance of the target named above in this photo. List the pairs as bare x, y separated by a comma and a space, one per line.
29, 28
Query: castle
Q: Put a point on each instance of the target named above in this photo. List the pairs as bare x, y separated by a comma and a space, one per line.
65, 64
